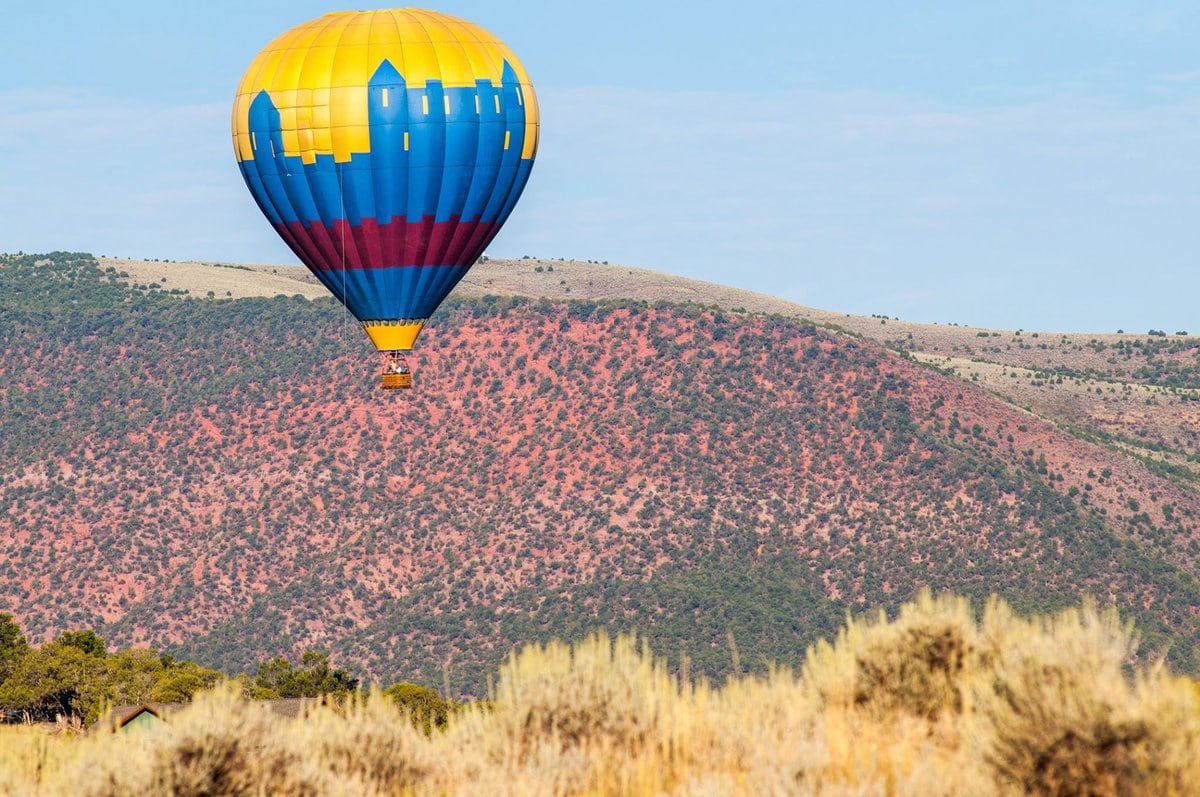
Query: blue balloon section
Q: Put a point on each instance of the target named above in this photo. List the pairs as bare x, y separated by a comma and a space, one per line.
391, 231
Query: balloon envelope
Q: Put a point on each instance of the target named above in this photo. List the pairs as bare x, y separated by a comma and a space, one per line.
386, 148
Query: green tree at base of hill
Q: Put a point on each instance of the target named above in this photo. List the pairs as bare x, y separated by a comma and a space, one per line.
13, 646
278, 677
76, 677
427, 708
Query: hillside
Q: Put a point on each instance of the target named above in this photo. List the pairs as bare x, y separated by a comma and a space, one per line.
1137, 394
224, 478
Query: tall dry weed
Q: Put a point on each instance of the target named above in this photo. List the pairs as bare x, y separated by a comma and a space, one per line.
221, 745
368, 746
1060, 712
28, 757
586, 713
919, 664
599, 691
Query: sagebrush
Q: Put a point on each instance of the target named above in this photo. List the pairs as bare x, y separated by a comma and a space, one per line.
936, 701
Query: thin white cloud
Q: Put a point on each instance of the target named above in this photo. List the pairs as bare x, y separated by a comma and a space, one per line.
67, 117
757, 188
1180, 77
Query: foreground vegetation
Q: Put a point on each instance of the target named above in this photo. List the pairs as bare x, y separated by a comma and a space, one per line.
939, 700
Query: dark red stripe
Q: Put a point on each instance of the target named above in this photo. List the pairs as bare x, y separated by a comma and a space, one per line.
399, 243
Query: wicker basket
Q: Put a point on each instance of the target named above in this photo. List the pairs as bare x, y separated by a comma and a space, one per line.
397, 381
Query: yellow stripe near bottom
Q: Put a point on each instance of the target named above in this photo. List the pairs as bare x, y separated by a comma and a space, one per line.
394, 335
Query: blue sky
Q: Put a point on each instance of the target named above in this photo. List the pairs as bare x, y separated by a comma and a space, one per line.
1016, 165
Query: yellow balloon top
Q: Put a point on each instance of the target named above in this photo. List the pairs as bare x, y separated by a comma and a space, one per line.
317, 75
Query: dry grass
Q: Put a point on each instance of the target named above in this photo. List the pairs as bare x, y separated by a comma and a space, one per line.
934, 702
577, 279
1162, 422
224, 280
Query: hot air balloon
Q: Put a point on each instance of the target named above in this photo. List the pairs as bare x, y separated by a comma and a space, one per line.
386, 148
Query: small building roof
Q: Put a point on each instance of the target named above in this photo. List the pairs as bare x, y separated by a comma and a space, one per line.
290, 707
